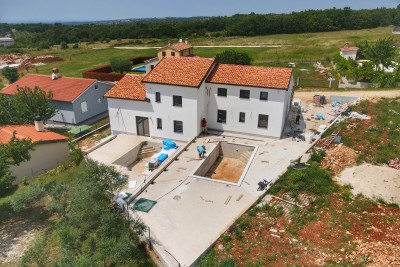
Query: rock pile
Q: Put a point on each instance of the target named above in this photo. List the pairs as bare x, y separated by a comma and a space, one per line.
379, 253
339, 158
25, 61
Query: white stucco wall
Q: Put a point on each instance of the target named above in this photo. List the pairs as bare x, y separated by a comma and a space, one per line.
43, 158
349, 54
233, 104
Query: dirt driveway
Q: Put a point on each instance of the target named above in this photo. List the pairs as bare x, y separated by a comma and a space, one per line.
367, 94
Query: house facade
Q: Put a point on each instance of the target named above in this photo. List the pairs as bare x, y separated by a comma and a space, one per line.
349, 52
180, 49
171, 100
76, 99
50, 149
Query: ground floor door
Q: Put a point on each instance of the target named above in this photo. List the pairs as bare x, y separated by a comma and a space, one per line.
142, 126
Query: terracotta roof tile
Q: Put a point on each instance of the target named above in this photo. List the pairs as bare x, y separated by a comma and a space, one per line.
28, 131
177, 46
183, 71
129, 87
269, 77
64, 89
351, 48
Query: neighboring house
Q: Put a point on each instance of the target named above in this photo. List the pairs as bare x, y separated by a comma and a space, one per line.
171, 100
348, 51
50, 149
76, 99
180, 49
6, 41
150, 64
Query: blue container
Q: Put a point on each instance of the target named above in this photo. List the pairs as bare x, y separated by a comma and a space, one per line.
162, 157
168, 144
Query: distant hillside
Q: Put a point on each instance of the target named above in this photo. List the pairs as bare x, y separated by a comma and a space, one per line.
133, 20
45, 35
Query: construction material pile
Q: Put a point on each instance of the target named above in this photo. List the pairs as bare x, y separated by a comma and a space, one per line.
339, 158
379, 253
25, 62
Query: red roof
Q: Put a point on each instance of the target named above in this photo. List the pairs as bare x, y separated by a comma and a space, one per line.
129, 87
64, 89
351, 48
28, 131
183, 71
269, 77
177, 46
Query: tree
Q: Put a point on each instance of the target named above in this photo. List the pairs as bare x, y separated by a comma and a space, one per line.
11, 74
120, 65
25, 105
382, 52
14, 152
63, 45
233, 57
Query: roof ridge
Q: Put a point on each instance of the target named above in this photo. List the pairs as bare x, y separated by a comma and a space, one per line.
68, 77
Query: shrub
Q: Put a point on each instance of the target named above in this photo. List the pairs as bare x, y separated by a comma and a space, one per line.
75, 46
120, 65
11, 74
63, 45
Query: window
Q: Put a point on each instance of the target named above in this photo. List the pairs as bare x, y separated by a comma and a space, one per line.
158, 97
262, 121
178, 126
263, 95
96, 86
242, 117
245, 94
222, 92
221, 116
177, 101
159, 123
172, 54
84, 107
164, 53
151, 67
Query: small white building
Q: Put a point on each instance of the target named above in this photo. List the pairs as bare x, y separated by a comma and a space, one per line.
50, 149
171, 100
348, 51
6, 41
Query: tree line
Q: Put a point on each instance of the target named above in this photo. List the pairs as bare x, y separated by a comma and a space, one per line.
42, 35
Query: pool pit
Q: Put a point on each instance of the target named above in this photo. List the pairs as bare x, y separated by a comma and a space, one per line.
226, 162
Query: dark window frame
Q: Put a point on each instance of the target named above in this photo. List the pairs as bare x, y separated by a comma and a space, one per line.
175, 103
240, 117
159, 123
177, 128
164, 54
221, 119
259, 118
263, 98
223, 92
246, 92
172, 54
158, 97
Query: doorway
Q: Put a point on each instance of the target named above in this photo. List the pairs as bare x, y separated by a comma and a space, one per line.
142, 126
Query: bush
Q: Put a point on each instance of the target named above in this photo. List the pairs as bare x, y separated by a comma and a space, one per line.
233, 57
63, 45
11, 74
75, 46
120, 65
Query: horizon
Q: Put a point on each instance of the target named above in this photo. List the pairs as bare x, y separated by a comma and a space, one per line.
19, 11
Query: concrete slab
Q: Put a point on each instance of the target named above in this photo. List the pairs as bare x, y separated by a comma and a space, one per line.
191, 213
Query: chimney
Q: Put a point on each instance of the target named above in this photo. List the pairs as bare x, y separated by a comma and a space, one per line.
56, 74
186, 41
39, 125
180, 40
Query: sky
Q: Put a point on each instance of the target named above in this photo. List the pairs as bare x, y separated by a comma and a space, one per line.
16, 11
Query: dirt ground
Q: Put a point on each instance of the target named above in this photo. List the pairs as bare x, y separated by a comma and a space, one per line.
226, 169
368, 94
375, 182
19, 233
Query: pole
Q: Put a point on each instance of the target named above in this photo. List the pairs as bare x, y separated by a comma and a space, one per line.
150, 245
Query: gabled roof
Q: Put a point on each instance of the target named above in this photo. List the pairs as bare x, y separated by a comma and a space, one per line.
255, 76
176, 46
129, 87
64, 89
182, 71
28, 131
350, 48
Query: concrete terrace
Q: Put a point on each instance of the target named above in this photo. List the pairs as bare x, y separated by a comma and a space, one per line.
191, 213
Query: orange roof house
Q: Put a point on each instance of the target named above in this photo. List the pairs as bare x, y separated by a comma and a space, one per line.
76, 99
50, 149
180, 49
253, 76
181, 71
129, 87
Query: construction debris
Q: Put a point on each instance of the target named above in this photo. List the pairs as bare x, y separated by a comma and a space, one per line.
339, 158
25, 62
395, 163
